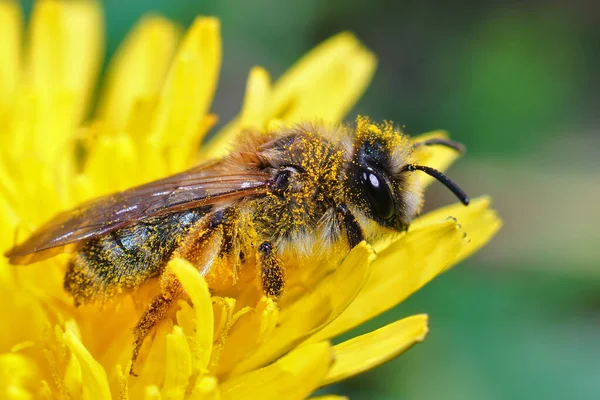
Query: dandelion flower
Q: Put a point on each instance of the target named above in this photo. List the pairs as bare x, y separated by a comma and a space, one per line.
151, 119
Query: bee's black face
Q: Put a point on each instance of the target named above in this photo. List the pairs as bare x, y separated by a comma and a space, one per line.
377, 192
371, 184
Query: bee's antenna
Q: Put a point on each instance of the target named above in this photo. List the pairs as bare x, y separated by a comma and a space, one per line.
443, 142
458, 192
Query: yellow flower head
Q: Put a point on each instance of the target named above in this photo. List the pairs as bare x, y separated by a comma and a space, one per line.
152, 116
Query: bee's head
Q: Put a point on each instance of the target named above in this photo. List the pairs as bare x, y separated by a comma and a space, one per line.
381, 175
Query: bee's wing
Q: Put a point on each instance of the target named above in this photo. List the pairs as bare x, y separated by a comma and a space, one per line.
207, 184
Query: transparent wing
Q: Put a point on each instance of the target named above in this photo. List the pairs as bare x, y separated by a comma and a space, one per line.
207, 184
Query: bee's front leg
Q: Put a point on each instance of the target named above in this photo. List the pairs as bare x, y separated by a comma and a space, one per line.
271, 270
354, 232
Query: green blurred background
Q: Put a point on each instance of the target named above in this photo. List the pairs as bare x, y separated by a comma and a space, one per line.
517, 82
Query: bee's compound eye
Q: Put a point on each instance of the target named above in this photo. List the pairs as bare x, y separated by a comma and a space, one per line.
378, 193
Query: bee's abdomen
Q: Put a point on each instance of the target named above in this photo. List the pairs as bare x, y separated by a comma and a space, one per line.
123, 259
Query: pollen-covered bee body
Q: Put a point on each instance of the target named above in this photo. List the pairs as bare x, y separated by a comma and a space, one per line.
296, 213
279, 195
121, 260
307, 165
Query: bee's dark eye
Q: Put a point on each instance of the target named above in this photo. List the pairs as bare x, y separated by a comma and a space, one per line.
377, 193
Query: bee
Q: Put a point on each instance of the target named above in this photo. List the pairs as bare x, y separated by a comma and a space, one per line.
299, 190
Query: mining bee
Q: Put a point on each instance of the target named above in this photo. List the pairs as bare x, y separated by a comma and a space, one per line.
302, 189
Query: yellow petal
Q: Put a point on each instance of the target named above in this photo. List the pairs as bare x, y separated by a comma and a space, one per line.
9, 221
206, 388
82, 189
152, 392
18, 375
189, 89
152, 161
246, 333
138, 68
229, 337
223, 312
110, 162
323, 85
258, 93
364, 352
478, 221
438, 157
197, 290
35, 180
150, 366
17, 332
400, 270
324, 303
11, 25
63, 57
66, 49
253, 115
326, 82
95, 383
269, 315
293, 376
330, 397
8, 190
45, 392
178, 367
72, 377
42, 125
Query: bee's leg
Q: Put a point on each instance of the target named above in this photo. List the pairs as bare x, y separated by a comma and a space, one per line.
203, 244
171, 289
271, 270
353, 230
